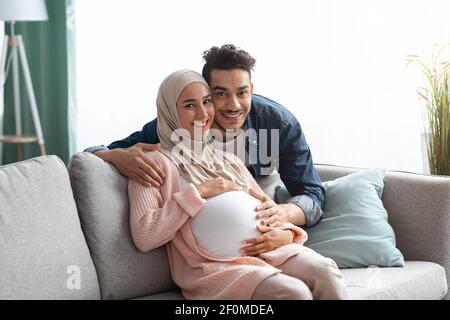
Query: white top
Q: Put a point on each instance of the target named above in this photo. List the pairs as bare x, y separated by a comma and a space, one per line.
224, 222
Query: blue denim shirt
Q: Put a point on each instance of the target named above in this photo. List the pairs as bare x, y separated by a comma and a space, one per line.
294, 163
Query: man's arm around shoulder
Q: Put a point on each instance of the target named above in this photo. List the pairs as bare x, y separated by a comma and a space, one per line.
128, 155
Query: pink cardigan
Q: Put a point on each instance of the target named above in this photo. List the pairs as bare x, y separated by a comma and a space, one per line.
159, 216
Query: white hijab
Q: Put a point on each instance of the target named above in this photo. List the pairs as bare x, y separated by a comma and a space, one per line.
197, 161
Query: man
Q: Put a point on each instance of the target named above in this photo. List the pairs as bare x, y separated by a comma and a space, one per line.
228, 73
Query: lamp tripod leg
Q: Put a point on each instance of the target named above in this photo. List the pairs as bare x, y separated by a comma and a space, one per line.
42, 149
31, 97
2, 84
16, 88
19, 152
3, 62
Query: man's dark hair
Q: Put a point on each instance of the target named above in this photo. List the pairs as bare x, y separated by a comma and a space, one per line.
227, 57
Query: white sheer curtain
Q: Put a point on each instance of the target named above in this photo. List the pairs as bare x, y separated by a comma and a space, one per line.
337, 65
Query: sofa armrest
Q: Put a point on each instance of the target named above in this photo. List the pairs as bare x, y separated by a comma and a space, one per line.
419, 212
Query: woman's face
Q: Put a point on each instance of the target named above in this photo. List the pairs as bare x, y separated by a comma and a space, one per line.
195, 109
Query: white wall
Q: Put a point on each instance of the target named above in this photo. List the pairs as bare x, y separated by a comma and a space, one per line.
336, 64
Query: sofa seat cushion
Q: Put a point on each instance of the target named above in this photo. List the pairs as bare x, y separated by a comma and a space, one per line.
417, 280
43, 252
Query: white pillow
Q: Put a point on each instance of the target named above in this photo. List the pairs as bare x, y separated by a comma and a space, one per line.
224, 222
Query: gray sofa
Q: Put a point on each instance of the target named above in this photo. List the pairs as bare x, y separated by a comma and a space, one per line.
64, 234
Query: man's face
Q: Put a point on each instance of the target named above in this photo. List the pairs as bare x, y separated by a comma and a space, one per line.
232, 96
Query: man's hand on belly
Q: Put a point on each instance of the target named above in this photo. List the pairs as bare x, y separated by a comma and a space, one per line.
274, 215
271, 239
278, 214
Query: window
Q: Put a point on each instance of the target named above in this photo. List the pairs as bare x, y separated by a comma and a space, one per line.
337, 65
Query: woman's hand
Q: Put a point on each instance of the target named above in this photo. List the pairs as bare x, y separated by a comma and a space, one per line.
216, 186
271, 239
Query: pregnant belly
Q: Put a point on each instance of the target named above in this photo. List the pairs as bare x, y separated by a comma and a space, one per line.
224, 222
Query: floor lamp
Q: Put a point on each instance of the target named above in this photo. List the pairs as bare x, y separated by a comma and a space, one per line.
10, 12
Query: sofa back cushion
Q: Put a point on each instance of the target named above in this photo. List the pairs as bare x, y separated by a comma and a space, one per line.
102, 199
43, 252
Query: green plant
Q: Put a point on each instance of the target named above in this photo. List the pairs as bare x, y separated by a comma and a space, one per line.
437, 101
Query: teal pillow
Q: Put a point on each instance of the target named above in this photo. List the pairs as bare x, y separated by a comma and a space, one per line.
354, 230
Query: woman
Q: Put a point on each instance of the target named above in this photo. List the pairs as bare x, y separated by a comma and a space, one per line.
183, 213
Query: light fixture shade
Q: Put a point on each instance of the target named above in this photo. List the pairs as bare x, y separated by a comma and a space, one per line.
23, 10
